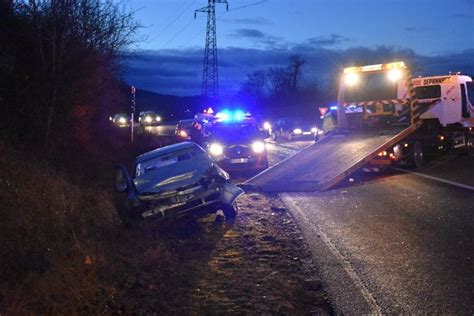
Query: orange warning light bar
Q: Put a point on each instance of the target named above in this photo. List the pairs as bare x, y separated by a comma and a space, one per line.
377, 67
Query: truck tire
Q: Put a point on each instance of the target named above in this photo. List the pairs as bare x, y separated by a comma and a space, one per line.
274, 136
230, 211
418, 156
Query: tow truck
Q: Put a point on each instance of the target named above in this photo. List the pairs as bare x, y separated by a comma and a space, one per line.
384, 117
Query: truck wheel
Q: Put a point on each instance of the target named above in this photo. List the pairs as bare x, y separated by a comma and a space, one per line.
274, 136
418, 156
230, 211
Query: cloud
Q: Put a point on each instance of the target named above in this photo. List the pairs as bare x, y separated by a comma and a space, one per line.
468, 16
249, 21
179, 72
251, 33
331, 40
259, 38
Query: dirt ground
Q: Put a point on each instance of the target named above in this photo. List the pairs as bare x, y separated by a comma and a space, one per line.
255, 264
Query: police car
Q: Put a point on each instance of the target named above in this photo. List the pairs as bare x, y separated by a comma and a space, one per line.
236, 142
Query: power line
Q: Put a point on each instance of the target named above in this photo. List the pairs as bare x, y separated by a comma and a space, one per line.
248, 5
191, 3
177, 34
222, 13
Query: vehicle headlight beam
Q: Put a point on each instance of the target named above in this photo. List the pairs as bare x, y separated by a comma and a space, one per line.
258, 147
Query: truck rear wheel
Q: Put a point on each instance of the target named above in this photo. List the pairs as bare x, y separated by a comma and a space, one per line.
418, 156
274, 136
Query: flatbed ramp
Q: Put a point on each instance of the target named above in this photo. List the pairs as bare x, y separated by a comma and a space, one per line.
324, 164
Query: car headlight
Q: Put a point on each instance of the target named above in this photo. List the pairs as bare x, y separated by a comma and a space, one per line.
158, 119
297, 131
122, 120
314, 130
258, 147
183, 133
216, 149
148, 119
267, 126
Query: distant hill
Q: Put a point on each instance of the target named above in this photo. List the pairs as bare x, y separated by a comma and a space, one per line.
170, 107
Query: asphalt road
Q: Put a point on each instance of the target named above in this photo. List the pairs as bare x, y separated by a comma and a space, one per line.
397, 243
160, 130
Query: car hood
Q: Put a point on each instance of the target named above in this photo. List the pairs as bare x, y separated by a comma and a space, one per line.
179, 175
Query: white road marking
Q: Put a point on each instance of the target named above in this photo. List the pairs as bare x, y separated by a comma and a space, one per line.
456, 184
345, 263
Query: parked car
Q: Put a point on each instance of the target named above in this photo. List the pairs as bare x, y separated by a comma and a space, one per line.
149, 118
238, 145
172, 182
294, 128
120, 119
183, 130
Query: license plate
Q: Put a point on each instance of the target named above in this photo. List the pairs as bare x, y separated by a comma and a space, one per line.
180, 198
239, 160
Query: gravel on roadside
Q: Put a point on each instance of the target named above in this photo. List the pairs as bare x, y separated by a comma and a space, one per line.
258, 263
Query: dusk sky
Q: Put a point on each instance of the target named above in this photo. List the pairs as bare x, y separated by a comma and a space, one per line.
253, 35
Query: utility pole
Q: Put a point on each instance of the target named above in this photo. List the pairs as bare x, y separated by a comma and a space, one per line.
210, 74
132, 116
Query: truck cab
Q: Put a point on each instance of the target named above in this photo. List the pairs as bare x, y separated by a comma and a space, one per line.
451, 98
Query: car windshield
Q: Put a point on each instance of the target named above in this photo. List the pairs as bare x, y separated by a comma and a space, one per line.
156, 163
371, 86
185, 124
301, 123
235, 132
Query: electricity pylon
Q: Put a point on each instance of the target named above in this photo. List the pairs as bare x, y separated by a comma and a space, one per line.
210, 73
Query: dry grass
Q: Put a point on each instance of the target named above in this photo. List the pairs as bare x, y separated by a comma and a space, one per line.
54, 236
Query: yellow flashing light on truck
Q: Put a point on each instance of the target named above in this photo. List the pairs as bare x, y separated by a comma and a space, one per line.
395, 72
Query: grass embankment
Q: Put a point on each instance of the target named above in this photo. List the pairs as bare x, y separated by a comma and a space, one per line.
59, 234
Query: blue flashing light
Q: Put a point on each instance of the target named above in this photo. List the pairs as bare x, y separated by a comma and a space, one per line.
239, 115
333, 108
231, 116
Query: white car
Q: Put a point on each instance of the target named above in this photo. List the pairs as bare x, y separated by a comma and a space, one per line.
171, 182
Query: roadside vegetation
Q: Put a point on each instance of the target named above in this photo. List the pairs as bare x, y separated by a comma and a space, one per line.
59, 75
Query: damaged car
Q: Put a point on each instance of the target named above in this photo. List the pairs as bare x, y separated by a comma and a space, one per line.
172, 182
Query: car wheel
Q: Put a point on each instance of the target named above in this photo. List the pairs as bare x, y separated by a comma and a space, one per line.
124, 214
230, 211
418, 156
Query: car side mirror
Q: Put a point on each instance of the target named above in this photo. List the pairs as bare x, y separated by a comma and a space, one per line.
122, 180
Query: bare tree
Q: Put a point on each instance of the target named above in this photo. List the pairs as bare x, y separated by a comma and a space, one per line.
278, 79
64, 51
296, 62
254, 86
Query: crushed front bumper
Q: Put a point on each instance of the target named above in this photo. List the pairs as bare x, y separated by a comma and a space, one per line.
195, 200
